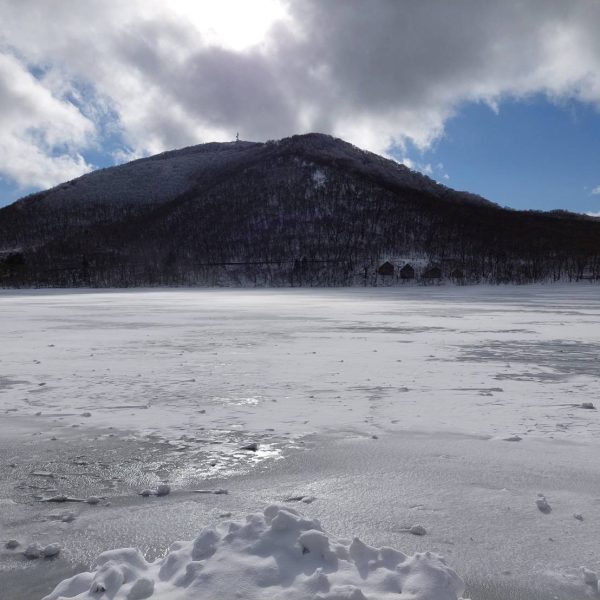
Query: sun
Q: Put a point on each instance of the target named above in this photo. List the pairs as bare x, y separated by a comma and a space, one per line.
234, 24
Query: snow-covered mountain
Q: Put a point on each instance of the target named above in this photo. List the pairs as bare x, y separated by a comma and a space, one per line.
146, 181
164, 177
305, 210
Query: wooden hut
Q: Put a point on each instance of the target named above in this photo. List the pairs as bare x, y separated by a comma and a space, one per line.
407, 272
386, 269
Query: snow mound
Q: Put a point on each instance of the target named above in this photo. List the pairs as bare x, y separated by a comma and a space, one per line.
272, 556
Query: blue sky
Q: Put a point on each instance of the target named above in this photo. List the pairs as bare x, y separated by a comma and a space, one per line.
530, 154
83, 82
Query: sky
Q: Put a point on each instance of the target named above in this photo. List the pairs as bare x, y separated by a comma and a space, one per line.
497, 98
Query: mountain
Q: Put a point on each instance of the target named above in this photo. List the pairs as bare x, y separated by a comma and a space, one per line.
305, 210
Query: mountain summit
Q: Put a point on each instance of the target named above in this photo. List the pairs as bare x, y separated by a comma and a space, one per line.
305, 210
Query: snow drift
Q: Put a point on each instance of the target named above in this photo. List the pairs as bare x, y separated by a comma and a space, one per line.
272, 556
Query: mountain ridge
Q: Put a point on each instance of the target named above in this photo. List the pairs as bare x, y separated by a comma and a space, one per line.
323, 210
295, 143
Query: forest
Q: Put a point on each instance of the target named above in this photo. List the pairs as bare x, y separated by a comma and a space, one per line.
304, 211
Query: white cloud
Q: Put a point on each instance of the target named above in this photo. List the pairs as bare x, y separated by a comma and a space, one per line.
179, 72
593, 214
596, 191
40, 134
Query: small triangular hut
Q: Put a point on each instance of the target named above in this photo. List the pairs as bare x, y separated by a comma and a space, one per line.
386, 269
407, 272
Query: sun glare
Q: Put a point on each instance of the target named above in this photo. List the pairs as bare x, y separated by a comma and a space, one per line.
235, 24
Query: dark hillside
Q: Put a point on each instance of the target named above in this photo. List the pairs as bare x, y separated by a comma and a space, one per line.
306, 210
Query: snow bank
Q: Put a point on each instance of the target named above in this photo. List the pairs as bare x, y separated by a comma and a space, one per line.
272, 556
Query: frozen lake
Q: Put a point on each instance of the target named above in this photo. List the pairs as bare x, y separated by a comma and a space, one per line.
390, 406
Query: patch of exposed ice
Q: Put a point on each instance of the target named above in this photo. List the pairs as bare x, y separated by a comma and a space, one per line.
275, 555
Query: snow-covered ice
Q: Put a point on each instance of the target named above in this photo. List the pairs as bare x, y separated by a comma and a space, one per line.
387, 408
498, 361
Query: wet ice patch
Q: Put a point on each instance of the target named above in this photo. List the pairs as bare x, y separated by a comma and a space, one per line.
560, 357
238, 400
269, 556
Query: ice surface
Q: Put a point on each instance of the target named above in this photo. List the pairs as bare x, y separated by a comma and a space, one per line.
391, 408
178, 364
272, 556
